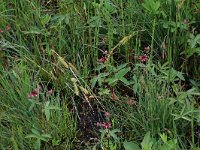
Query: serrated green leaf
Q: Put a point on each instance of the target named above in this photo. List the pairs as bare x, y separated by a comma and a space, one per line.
125, 81
120, 67
31, 136
163, 137
46, 136
61, 18
103, 75
47, 114
147, 143
180, 75
122, 73
94, 81
191, 52
104, 92
34, 131
151, 6
45, 19
112, 81
115, 130
114, 136
195, 41
99, 67
131, 146
193, 91
100, 81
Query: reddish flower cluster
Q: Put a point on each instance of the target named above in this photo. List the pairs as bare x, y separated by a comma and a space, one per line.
34, 93
143, 58
105, 58
102, 60
105, 125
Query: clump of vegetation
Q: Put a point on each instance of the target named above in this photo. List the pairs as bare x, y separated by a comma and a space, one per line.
100, 74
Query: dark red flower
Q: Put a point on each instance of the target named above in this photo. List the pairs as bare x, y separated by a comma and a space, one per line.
103, 60
106, 125
1, 31
33, 94
143, 58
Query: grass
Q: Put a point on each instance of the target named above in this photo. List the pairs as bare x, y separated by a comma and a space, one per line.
63, 64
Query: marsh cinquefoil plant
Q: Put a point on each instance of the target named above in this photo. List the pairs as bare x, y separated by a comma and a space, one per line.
109, 138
